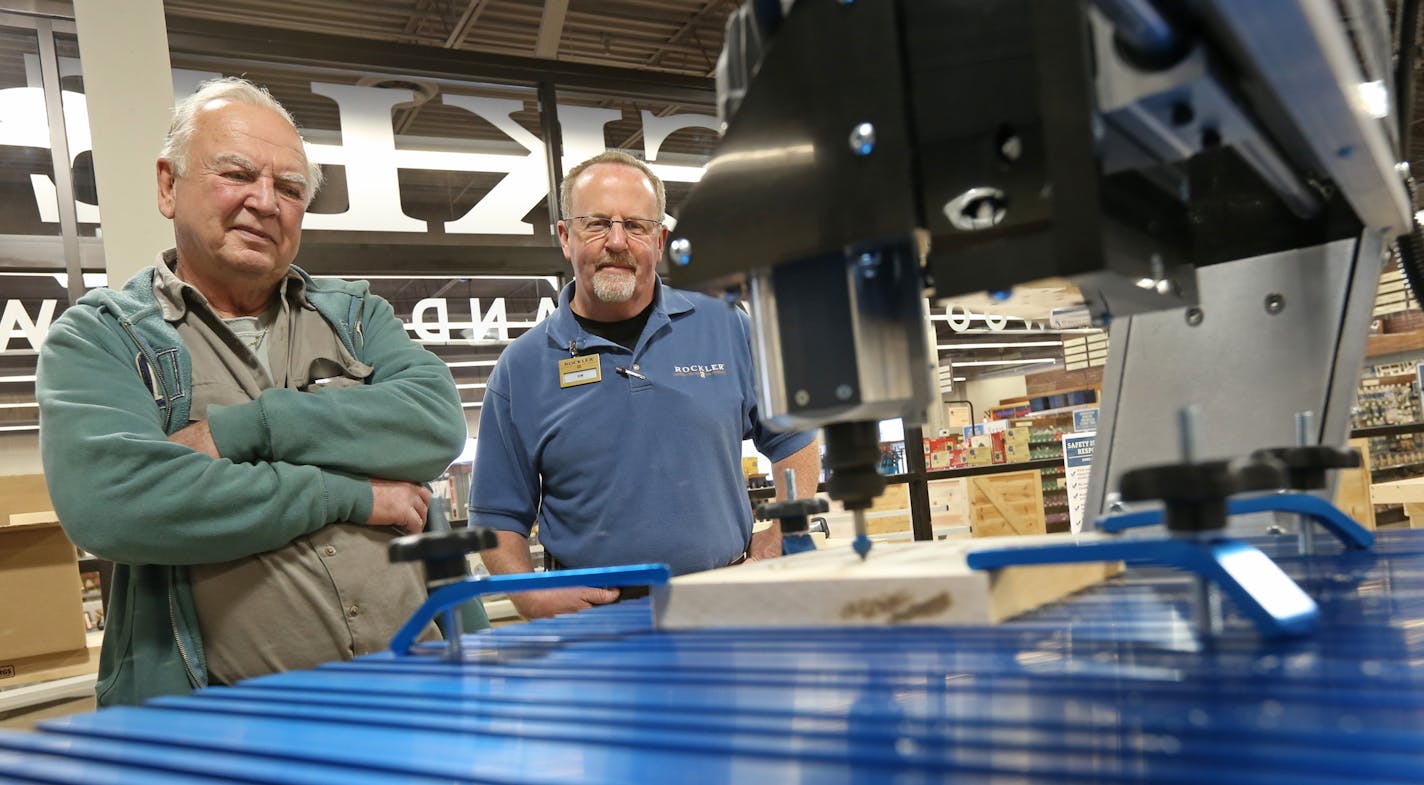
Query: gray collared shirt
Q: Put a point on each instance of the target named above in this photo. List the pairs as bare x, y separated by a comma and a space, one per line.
325, 596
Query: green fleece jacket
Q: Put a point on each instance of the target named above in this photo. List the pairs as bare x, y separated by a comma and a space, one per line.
115, 380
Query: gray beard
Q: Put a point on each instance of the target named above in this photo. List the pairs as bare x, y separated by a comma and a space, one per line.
615, 288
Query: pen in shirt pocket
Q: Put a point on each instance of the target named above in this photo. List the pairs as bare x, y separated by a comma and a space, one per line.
626, 372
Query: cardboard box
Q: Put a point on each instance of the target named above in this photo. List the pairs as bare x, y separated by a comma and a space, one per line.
23, 493
39, 581
979, 456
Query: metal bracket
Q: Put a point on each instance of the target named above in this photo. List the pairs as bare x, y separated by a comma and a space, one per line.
1263, 592
1309, 507
453, 594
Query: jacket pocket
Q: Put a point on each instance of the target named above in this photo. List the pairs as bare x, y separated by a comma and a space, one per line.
326, 373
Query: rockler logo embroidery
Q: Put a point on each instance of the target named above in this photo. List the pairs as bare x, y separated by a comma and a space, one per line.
704, 371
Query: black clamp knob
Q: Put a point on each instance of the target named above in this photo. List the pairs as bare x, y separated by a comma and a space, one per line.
1195, 493
443, 552
793, 513
1306, 466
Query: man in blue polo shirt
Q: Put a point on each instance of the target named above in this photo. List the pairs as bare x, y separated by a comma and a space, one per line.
617, 423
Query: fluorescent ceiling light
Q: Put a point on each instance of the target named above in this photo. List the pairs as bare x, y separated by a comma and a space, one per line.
982, 363
1375, 98
947, 346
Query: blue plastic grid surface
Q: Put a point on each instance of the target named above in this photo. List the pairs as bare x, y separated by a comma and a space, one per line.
1110, 685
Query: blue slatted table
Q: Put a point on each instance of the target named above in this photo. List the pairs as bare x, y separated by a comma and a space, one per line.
1108, 686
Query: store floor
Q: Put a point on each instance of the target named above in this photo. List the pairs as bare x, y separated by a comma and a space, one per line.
27, 718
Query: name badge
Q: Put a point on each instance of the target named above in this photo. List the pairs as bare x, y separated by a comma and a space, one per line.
580, 370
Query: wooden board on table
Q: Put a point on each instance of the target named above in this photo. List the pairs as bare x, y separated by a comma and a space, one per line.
913, 584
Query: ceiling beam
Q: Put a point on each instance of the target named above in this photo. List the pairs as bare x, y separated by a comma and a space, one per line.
453, 40
551, 28
662, 49
236, 44
467, 22
688, 27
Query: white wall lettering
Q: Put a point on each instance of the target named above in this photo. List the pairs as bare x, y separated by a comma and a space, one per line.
15, 322
368, 151
372, 154
430, 321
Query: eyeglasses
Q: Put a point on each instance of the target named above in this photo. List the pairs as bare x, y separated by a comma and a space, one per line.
594, 227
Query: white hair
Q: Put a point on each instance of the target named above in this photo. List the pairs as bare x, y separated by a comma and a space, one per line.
227, 88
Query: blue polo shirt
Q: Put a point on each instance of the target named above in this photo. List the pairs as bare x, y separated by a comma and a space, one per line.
626, 469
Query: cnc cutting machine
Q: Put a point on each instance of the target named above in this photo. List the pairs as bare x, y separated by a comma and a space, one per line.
1204, 169
1228, 170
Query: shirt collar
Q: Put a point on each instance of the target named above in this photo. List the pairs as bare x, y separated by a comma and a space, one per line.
563, 327
173, 292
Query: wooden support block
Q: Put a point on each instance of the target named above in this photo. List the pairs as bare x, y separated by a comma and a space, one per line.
1004, 504
1415, 513
1352, 488
912, 583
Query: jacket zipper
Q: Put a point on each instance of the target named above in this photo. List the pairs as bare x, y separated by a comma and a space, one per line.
178, 639
167, 421
157, 374
360, 313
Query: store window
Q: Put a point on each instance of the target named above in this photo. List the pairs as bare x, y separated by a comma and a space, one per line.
438, 192
468, 321
24, 142
676, 141
33, 282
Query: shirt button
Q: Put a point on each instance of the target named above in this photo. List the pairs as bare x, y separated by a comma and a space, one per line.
637, 367
353, 611
331, 550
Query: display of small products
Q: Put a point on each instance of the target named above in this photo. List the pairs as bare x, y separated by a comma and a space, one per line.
1395, 452
93, 605
1390, 401
1385, 401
